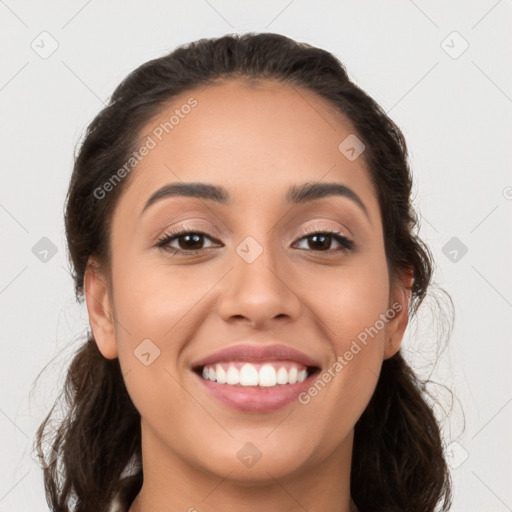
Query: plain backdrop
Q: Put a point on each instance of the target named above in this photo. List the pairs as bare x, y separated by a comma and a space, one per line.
443, 73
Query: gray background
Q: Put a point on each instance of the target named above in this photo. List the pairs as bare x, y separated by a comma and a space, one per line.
453, 104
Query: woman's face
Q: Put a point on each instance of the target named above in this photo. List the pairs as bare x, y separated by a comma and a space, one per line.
257, 278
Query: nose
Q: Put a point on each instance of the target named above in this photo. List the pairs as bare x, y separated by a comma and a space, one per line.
258, 292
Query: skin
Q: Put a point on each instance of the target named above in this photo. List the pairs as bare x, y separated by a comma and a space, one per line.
256, 140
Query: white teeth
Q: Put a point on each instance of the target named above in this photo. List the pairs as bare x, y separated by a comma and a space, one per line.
248, 375
268, 375
282, 376
220, 374
233, 376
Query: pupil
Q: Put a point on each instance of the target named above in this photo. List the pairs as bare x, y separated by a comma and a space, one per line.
195, 238
324, 237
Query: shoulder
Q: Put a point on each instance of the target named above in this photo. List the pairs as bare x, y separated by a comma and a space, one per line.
128, 489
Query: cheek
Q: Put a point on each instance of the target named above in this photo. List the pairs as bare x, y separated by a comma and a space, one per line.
158, 311
152, 296
349, 299
351, 304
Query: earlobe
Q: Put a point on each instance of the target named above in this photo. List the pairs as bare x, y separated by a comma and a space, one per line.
99, 308
400, 300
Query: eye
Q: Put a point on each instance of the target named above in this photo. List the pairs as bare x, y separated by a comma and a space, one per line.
321, 241
188, 241
191, 242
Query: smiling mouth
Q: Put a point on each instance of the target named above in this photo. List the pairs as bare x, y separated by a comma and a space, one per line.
256, 375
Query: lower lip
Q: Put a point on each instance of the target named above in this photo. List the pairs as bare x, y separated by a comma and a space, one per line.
255, 398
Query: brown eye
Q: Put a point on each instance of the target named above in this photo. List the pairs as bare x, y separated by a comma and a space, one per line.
190, 241
321, 241
187, 241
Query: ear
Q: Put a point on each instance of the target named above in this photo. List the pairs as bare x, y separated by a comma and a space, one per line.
399, 303
99, 308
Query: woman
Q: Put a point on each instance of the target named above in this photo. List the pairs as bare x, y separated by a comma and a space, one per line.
240, 225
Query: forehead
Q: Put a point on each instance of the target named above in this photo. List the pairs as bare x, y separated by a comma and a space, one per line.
255, 138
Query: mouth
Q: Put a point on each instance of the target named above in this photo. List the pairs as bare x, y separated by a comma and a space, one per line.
252, 388
262, 375
256, 377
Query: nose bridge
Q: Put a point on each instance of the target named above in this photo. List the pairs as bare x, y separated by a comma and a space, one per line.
258, 289
259, 248
256, 263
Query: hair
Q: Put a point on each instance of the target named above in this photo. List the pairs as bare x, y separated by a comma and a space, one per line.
398, 459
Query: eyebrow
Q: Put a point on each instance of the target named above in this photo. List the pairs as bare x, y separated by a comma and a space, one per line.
296, 194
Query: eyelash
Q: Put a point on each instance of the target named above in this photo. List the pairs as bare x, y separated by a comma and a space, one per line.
346, 243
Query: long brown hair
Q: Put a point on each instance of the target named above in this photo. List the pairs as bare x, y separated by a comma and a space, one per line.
398, 459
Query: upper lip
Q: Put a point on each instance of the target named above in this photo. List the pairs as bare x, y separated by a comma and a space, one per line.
257, 353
